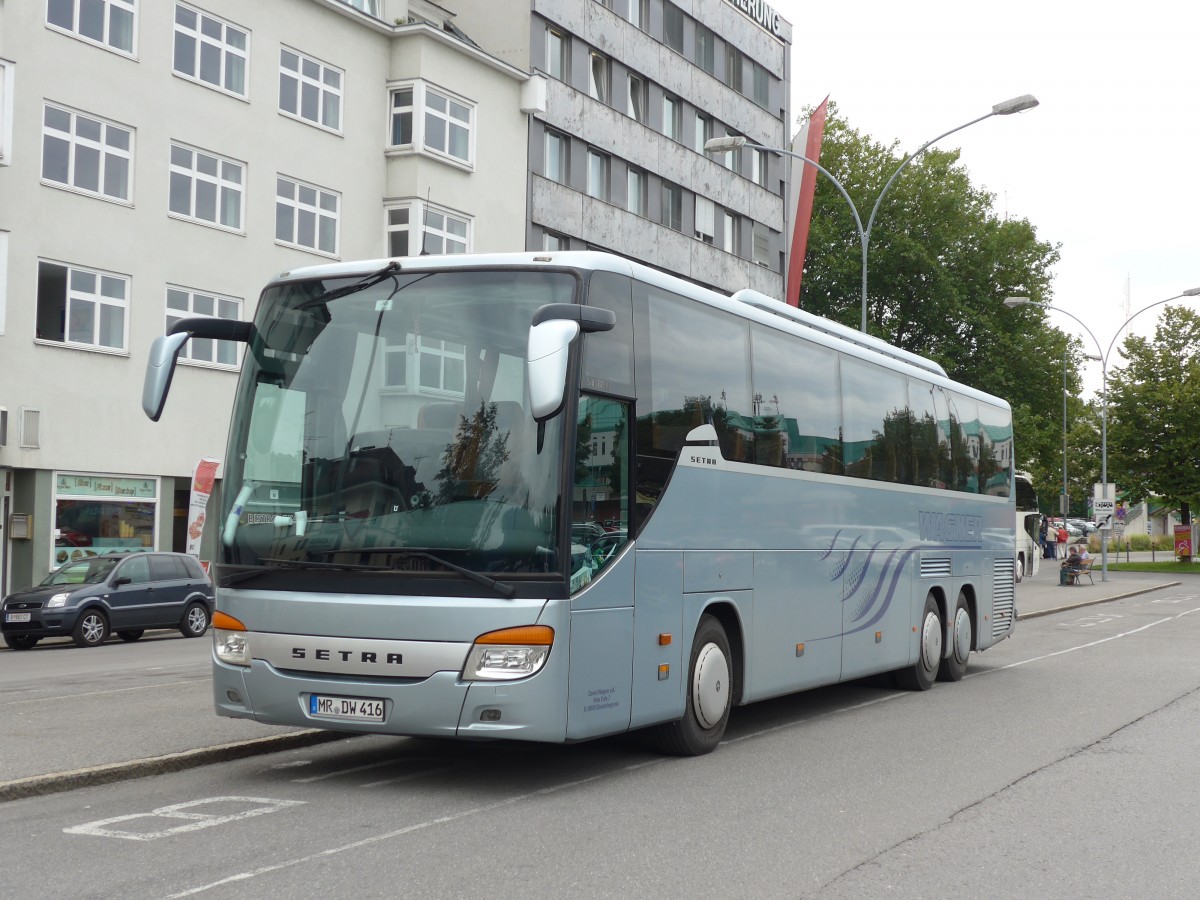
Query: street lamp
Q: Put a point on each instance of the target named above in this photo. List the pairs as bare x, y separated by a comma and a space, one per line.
723, 144
1025, 301
1066, 352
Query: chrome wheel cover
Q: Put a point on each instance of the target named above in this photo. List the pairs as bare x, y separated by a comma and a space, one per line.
93, 629
962, 634
931, 643
710, 686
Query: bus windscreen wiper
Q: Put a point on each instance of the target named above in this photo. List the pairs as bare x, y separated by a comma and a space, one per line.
505, 590
370, 281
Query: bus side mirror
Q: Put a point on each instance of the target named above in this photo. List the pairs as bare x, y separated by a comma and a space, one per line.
554, 326
164, 353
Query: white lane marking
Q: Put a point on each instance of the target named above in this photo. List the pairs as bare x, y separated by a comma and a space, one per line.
339, 772
474, 811
409, 777
194, 821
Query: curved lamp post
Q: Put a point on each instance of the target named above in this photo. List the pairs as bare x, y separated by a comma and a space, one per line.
1025, 301
723, 144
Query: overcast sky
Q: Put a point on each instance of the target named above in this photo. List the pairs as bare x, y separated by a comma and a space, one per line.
1108, 165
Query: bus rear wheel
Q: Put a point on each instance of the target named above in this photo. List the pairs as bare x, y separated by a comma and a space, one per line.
921, 675
709, 695
962, 634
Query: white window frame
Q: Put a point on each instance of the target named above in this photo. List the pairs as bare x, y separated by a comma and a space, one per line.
219, 44
670, 193
96, 300
672, 117
597, 174
415, 350
105, 152
318, 82
706, 49
760, 247
553, 241
639, 97
705, 220
637, 13
232, 306
127, 6
221, 184
370, 7
8, 78
301, 206
702, 131
758, 167
3, 280
422, 112
728, 232
422, 225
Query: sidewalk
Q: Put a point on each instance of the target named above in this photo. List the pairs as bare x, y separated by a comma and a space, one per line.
1041, 595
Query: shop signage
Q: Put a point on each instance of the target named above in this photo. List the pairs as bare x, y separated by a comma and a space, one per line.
104, 486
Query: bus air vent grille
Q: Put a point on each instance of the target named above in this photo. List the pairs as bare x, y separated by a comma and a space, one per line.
1003, 597
931, 568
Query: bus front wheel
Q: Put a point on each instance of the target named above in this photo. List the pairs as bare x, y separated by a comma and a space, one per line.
921, 675
709, 695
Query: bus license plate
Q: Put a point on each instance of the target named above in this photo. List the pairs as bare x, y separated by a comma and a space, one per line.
361, 708
17, 617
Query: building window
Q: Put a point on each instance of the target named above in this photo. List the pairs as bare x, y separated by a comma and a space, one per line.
418, 228
552, 241
109, 23
370, 7
732, 159
758, 167
637, 98
706, 49
556, 156
430, 365
8, 74
762, 86
705, 220
434, 120
206, 187
182, 302
635, 191
703, 131
729, 232
556, 54
672, 206
82, 307
86, 153
210, 50
597, 180
673, 26
310, 90
762, 244
306, 216
598, 77
672, 117
733, 67
638, 13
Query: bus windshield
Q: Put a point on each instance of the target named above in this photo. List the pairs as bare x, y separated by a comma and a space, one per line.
382, 426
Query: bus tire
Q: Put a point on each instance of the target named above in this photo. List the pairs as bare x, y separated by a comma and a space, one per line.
962, 634
921, 675
709, 695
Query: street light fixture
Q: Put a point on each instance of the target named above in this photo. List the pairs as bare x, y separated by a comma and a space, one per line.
724, 144
1025, 301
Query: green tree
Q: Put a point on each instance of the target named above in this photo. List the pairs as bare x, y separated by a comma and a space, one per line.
941, 261
1153, 408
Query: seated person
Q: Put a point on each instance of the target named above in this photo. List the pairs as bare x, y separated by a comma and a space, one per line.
1070, 566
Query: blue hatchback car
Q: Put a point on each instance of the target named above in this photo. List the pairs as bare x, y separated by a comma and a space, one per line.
125, 593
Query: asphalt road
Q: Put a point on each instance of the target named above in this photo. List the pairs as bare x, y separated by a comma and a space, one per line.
1064, 765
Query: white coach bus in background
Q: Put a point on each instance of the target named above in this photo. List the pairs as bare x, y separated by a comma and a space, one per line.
1029, 517
556, 496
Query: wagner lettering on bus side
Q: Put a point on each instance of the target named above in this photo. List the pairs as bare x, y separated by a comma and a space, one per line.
953, 528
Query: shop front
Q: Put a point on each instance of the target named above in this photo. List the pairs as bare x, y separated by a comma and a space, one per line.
99, 514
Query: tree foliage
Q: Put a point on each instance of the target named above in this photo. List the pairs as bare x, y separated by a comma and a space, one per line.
941, 261
1154, 405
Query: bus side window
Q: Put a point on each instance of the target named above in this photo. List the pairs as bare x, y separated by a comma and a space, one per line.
600, 498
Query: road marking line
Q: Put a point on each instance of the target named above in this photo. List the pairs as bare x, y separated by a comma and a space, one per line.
143, 687
194, 820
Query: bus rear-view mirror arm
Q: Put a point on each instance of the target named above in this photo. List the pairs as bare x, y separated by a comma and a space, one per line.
164, 354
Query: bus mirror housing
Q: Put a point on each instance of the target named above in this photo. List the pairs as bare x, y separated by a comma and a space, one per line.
554, 326
164, 354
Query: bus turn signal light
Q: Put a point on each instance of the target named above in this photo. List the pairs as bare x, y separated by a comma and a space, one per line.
541, 635
226, 622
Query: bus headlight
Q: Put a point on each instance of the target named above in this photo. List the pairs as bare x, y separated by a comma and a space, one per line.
230, 643
508, 654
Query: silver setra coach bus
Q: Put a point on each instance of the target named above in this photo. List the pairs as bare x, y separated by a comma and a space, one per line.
549, 497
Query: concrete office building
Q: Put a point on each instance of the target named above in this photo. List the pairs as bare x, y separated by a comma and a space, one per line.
166, 159
634, 89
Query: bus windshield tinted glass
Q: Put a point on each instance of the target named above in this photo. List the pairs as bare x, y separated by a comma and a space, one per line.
382, 424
